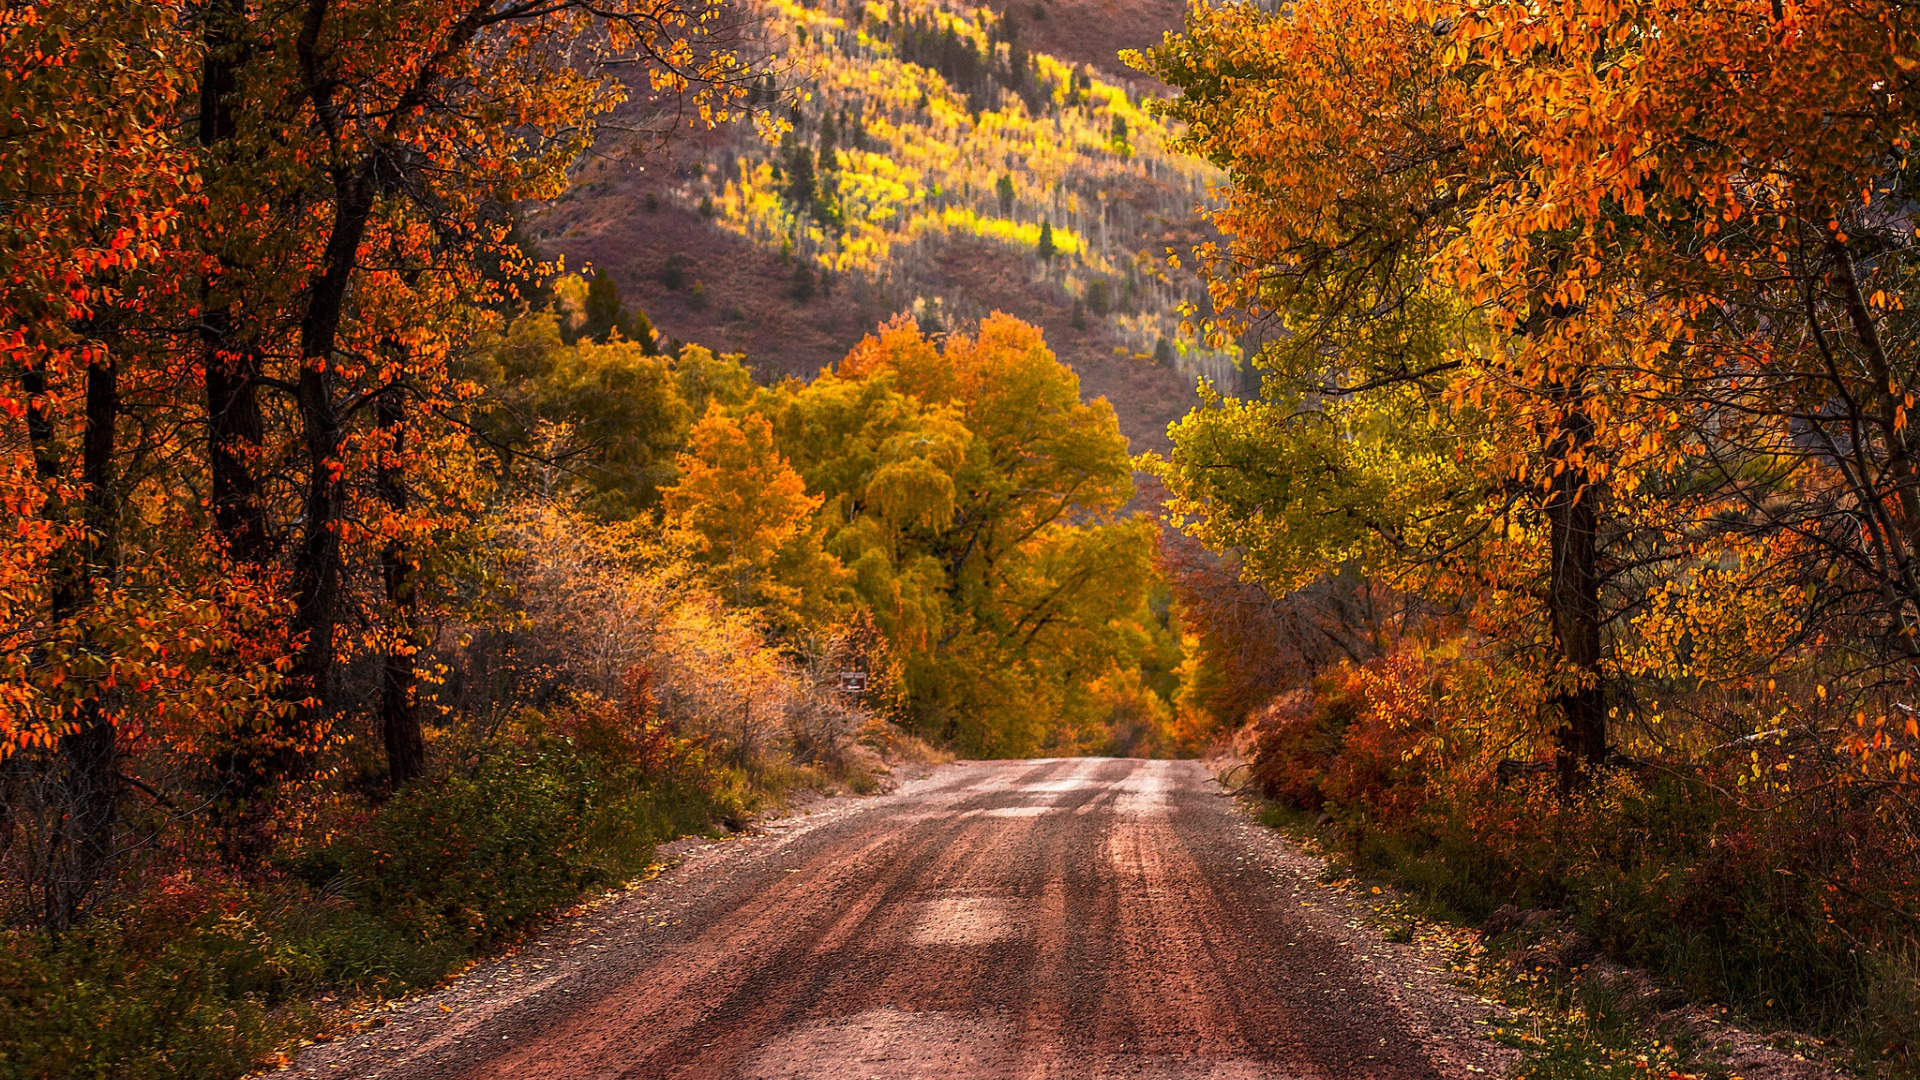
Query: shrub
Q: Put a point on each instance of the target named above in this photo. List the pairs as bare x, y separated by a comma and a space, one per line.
1789, 911
203, 975
92, 1005
677, 271
801, 288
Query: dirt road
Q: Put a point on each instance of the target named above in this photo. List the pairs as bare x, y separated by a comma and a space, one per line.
1063, 919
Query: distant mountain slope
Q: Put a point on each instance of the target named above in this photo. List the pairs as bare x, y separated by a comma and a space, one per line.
932, 147
1093, 32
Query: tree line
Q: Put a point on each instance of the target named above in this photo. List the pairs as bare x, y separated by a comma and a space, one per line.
247, 249
1587, 345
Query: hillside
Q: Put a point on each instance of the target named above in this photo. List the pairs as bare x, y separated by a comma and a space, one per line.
1093, 32
929, 148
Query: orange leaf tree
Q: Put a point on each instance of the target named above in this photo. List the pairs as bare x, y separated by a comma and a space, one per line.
1642, 265
361, 160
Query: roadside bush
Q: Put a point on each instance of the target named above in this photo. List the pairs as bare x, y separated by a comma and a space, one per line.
91, 1005
530, 816
198, 977
1795, 911
204, 974
474, 859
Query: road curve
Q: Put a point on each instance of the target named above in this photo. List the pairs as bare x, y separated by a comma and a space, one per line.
1041, 919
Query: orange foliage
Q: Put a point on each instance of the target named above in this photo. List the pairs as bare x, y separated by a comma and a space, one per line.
738, 503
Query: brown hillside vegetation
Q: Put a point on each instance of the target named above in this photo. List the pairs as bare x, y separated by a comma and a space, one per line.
1094, 31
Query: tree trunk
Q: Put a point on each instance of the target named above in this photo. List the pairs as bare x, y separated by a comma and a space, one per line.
84, 777
1573, 600
317, 569
235, 428
399, 684
236, 432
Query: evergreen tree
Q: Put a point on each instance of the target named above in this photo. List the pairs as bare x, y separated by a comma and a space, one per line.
826, 202
802, 287
802, 189
605, 313
829, 145
1004, 187
602, 306
673, 274
1047, 250
1100, 296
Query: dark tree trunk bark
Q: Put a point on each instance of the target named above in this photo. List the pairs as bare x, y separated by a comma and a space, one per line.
317, 568
236, 431
1573, 600
84, 766
231, 369
235, 428
89, 753
399, 685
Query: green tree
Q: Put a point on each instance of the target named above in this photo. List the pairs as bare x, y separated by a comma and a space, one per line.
801, 286
605, 315
802, 188
605, 420
1100, 296
829, 156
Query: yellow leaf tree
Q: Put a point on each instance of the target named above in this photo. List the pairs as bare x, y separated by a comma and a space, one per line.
742, 509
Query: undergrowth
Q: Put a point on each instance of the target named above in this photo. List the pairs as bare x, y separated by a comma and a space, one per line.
208, 973
1585, 1028
1794, 913
1581, 1021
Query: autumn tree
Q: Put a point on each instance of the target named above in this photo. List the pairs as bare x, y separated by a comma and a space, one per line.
1680, 280
971, 496
1760, 217
740, 508
1370, 220
247, 244
114, 625
599, 422
362, 154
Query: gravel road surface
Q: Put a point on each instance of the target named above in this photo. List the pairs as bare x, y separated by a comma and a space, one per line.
1090, 917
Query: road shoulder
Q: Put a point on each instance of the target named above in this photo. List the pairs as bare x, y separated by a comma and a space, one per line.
1514, 993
